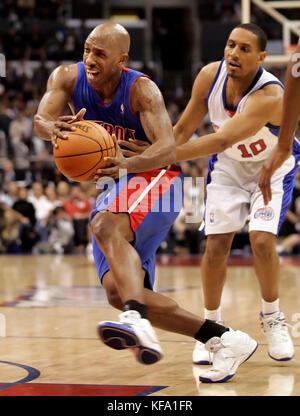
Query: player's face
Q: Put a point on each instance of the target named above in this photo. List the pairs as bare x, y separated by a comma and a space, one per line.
242, 55
100, 61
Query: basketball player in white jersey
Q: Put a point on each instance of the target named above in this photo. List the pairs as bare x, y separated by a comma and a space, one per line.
244, 103
290, 117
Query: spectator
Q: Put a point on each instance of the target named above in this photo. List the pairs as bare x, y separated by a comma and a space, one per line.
27, 234
11, 195
61, 234
79, 208
43, 168
8, 173
62, 191
9, 230
42, 207
50, 193
21, 127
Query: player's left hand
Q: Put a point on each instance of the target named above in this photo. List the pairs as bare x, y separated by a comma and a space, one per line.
114, 164
133, 147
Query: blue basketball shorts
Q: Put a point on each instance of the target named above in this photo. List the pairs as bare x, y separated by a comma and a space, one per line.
152, 200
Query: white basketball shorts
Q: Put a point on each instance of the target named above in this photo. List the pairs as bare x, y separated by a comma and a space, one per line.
233, 196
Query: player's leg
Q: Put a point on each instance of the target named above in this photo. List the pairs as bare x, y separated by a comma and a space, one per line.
266, 263
231, 348
163, 312
224, 214
213, 267
267, 268
113, 234
265, 222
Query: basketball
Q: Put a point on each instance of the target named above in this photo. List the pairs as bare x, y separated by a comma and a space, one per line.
82, 154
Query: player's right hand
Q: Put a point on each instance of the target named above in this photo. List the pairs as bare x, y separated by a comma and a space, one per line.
65, 123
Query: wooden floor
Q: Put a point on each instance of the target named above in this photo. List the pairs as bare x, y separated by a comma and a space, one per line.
50, 307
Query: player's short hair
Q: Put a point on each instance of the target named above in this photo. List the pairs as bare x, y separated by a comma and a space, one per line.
259, 32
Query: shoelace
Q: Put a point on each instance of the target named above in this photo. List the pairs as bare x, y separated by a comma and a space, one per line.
224, 358
213, 345
276, 327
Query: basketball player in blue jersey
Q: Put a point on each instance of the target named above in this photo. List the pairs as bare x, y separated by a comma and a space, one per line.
128, 227
244, 103
288, 125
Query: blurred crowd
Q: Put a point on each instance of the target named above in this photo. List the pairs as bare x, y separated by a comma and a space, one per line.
40, 210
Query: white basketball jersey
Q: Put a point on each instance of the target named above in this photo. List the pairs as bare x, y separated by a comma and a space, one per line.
254, 148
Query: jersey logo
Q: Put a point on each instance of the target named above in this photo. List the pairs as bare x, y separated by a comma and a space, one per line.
265, 213
122, 108
122, 133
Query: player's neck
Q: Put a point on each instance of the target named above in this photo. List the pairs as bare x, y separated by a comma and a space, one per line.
237, 87
107, 92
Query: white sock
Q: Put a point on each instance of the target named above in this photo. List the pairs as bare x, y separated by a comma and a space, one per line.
270, 307
213, 315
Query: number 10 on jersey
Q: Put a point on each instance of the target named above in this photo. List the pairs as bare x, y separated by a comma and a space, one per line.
253, 149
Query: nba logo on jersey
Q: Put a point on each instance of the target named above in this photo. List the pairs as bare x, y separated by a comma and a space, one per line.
122, 108
211, 217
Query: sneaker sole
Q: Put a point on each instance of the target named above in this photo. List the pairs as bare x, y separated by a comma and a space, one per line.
202, 362
208, 380
119, 339
281, 359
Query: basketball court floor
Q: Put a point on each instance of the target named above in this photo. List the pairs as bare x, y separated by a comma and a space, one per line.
50, 307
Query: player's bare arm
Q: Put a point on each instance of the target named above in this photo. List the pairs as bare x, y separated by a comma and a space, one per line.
290, 116
262, 107
147, 103
192, 116
196, 108
48, 122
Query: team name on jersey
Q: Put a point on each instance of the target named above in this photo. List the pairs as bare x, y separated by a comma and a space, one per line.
122, 133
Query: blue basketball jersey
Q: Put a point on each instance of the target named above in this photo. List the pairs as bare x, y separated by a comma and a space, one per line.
116, 117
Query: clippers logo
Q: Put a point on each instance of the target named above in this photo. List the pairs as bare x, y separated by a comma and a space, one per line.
266, 213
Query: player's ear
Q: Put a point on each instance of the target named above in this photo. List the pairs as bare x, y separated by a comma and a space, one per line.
123, 58
262, 56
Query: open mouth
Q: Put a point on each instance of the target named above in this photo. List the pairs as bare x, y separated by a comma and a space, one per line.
92, 74
233, 65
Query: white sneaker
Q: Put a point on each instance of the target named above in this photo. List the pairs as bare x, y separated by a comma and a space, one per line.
280, 344
132, 332
200, 354
230, 351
